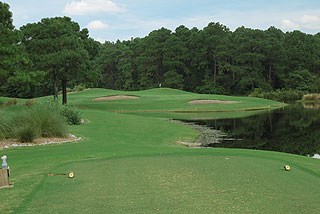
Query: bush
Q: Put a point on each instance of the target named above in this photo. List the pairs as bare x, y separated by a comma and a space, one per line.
25, 134
278, 95
27, 123
47, 121
72, 116
6, 126
79, 87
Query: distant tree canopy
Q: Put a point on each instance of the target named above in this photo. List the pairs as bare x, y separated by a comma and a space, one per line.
55, 54
213, 60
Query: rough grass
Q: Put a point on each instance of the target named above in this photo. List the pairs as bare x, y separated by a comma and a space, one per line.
133, 164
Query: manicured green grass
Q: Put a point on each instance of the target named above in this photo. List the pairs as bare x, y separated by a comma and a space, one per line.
133, 164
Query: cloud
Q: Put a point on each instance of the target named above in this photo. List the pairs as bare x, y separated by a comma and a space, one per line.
310, 22
289, 25
306, 22
97, 25
100, 40
85, 7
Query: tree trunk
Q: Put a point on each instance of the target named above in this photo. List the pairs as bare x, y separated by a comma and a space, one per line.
64, 92
270, 72
55, 79
214, 73
233, 76
270, 122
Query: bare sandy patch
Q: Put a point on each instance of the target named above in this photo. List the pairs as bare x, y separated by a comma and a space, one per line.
200, 102
115, 97
7, 143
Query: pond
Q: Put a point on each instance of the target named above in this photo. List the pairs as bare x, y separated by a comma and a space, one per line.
294, 129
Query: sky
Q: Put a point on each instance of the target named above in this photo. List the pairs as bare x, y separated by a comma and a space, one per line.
110, 20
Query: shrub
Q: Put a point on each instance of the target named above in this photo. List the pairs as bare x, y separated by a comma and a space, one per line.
278, 95
72, 116
6, 126
47, 121
27, 123
79, 87
25, 134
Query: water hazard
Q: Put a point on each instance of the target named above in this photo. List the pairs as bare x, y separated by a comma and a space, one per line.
294, 129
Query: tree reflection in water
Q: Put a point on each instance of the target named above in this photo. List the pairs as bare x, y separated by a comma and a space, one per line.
294, 129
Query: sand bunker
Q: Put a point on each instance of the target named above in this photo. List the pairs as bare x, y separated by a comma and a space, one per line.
115, 97
199, 102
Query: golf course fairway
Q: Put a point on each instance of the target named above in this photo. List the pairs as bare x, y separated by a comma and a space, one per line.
130, 161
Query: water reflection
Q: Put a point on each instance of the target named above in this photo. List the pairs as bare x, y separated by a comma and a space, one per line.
294, 129
311, 105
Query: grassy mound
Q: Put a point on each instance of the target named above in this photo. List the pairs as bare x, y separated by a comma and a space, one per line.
159, 102
133, 164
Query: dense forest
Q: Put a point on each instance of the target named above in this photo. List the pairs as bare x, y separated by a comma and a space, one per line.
55, 54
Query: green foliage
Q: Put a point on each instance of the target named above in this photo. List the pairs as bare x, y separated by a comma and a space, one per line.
72, 116
6, 125
56, 47
80, 87
9, 49
45, 121
173, 80
299, 80
278, 95
211, 60
25, 134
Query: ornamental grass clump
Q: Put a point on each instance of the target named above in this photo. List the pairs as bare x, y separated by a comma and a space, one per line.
25, 134
46, 121
26, 123
6, 126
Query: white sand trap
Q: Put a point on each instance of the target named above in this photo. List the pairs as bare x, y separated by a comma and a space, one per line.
115, 97
200, 102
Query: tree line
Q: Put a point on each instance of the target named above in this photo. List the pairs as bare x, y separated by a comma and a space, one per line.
55, 54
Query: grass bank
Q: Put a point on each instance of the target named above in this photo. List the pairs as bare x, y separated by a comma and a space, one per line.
133, 164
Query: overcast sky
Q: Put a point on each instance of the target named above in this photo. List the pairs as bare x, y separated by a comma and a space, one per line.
122, 19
